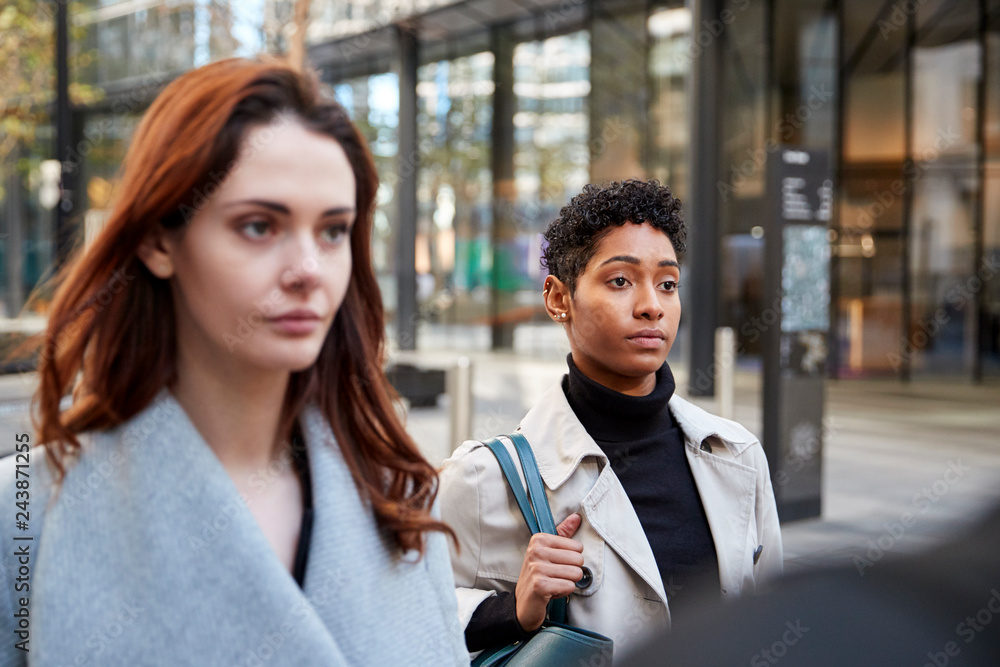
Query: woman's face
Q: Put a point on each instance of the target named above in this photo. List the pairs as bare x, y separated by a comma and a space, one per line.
623, 317
262, 266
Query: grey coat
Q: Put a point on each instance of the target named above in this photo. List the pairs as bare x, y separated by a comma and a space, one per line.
149, 556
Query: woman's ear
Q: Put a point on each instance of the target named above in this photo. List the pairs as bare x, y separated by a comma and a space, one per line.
557, 299
155, 251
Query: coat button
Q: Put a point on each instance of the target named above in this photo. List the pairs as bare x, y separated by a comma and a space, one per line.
705, 447
586, 580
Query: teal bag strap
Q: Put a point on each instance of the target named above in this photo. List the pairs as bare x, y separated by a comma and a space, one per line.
534, 506
513, 481
536, 489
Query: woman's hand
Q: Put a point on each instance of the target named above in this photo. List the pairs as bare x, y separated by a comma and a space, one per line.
552, 566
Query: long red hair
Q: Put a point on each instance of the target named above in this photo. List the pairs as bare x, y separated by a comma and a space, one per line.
112, 325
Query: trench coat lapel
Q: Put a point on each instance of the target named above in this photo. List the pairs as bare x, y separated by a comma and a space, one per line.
201, 586
560, 443
727, 488
610, 512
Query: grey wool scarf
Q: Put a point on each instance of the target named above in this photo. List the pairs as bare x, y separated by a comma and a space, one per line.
147, 555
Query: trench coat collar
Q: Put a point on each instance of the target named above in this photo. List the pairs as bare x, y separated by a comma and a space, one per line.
698, 425
726, 486
560, 442
558, 439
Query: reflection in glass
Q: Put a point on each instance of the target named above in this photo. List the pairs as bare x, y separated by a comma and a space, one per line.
373, 104
454, 189
942, 329
670, 58
551, 162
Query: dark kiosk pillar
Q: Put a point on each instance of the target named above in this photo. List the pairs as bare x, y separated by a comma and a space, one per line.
406, 192
702, 211
504, 188
64, 139
796, 275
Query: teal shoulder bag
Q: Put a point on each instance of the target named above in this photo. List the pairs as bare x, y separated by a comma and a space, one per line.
555, 643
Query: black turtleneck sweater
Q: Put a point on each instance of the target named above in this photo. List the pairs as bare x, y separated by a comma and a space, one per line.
645, 448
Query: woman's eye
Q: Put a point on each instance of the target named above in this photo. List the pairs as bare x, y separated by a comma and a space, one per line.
336, 233
620, 281
670, 285
257, 229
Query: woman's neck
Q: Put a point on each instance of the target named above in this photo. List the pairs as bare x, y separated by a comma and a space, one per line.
237, 412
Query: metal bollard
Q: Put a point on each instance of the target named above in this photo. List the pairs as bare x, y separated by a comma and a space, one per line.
725, 367
459, 387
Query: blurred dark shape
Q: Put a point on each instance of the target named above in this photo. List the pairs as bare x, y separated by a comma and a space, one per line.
935, 609
15, 356
420, 386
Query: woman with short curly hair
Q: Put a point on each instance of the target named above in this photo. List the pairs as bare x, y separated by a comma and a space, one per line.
660, 502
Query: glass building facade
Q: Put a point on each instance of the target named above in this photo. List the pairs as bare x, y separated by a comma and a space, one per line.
518, 105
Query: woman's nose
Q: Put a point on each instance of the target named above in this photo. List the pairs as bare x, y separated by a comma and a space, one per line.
648, 304
302, 270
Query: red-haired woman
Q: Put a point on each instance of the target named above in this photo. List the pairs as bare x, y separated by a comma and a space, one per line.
230, 484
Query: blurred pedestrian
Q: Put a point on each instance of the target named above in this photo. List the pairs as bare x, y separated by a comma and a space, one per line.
231, 484
940, 608
658, 499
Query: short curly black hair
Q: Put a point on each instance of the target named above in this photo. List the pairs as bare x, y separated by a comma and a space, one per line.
572, 238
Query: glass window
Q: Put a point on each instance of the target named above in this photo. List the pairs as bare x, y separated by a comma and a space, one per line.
373, 104
941, 336
551, 165
742, 178
551, 162
454, 192
669, 65
868, 237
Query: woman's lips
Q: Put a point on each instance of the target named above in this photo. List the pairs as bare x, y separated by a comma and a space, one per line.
296, 322
648, 338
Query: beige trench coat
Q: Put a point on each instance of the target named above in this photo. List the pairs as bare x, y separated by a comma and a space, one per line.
626, 599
